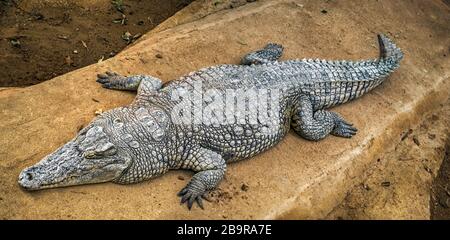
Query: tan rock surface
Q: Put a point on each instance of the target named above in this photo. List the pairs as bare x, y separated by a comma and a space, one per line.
297, 178
398, 185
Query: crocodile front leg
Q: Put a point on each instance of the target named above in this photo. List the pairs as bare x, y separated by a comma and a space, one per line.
141, 83
317, 125
271, 52
210, 168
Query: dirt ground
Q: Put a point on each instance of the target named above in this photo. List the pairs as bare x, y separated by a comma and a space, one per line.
440, 192
40, 40
406, 182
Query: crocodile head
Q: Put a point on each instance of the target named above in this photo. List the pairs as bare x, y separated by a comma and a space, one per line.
91, 157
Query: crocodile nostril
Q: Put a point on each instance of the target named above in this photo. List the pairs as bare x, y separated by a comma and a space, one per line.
29, 176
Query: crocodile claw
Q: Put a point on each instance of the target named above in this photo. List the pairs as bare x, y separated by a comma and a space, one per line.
101, 78
190, 195
344, 129
110, 80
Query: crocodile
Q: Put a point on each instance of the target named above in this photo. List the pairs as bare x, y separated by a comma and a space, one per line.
146, 139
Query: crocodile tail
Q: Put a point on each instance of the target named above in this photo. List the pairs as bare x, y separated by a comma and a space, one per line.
389, 52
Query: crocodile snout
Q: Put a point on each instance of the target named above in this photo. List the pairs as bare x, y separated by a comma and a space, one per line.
27, 179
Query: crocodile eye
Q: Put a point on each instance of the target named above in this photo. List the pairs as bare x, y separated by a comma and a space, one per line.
82, 132
90, 155
103, 150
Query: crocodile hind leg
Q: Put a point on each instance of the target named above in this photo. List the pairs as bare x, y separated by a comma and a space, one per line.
210, 168
271, 52
317, 125
140, 83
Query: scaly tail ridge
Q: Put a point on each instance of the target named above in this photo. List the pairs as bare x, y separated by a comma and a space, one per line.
389, 53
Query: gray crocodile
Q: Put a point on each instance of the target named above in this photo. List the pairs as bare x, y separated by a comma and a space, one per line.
142, 140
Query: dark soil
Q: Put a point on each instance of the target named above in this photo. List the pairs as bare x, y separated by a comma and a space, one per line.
440, 192
43, 39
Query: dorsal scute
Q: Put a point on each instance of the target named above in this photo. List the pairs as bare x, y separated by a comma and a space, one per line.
154, 120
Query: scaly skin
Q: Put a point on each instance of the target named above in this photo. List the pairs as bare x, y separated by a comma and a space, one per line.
141, 141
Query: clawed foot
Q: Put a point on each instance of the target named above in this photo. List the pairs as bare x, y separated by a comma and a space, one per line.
110, 80
343, 128
191, 194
